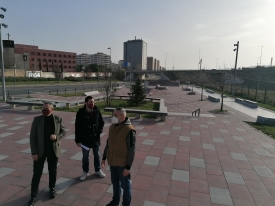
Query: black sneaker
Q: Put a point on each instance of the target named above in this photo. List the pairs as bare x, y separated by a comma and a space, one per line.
112, 204
52, 193
31, 202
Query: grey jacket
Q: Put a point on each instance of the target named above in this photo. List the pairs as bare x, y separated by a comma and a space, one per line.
37, 135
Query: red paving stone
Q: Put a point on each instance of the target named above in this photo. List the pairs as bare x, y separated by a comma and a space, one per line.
151, 183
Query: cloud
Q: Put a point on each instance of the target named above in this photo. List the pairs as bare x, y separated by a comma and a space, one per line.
201, 26
254, 23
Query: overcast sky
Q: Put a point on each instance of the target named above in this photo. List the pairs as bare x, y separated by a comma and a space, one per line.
179, 28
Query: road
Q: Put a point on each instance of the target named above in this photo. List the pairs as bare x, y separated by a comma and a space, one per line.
34, 88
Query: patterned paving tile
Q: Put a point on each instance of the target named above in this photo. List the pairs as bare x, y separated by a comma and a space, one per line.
208, 146
5, 171
3, 156
196, 162
15, 128
267, 145
5, 134
19, 118
28, 151
223, 131
139, 127
184, 138
170, 151
150, 160
180, 175
218, 139
176, 128
238, 138
262, 152
143, 134
24, 122
165, 132
150, 203
233, 177
264, 171
148, 142
3, 125
220, 196
72, 136
62, 184
77, 156
23, 141
238, 156
195, 133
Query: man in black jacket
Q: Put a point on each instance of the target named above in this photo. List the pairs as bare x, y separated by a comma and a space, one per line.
88, 127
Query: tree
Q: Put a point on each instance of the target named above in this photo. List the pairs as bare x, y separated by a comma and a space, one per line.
137, 96
202, 81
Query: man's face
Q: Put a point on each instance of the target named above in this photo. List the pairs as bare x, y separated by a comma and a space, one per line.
47, 109
119, 116
90, 104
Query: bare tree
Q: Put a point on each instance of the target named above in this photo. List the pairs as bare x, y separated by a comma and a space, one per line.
202, 80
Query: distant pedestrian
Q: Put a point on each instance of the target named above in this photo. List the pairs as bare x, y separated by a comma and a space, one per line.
46, 133
120, 153
88, 127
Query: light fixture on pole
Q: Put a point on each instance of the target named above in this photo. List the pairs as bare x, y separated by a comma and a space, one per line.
1, 57
83, 68
199, 58
236, 60
261, 55
110, 57
14, 66
200, 62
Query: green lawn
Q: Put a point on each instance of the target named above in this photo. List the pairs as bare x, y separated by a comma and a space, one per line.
268, 130
118, 103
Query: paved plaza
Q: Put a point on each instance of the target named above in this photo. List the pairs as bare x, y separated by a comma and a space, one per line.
212, 160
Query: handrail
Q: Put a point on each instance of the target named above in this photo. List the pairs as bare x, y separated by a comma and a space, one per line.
198, 110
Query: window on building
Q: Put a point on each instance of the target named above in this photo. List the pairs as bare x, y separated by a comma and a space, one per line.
50, 60
44, 54
49, 55
44, 65
69, 62
65, 66
69, 67
69, 56
32, 53
32, 59
38, 54
73, 56
59, 55
54, 55
74, 67
64, 56
65, 61
54, 60
73, 62
44, 60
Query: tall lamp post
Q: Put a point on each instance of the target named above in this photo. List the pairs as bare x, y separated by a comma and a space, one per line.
1, 57
199, 58
236, 60
261, 55
83, 77
200, 62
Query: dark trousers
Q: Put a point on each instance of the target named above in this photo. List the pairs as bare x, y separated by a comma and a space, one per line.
85, 159
38, 170
119, 181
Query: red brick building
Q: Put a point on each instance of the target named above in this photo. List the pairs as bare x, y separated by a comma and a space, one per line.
47, 60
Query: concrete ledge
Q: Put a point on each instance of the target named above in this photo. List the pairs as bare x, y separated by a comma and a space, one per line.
213, 99
266, 120
210, 91
91, 93
160, 87
248, 103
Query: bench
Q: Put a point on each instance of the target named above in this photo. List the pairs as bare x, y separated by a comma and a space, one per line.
127, 97
138, 112
247, 102
30, 104
266, 120
213, 99
91, 93
210, 91
186, 89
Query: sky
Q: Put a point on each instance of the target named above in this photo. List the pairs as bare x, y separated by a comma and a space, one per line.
185, 30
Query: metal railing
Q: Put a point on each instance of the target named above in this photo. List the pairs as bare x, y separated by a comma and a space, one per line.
196, 111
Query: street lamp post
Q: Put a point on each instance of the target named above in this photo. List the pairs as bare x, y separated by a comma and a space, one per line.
261, 55
1, 57
236, 60
199, 57
14, 66
83, 77
200, 62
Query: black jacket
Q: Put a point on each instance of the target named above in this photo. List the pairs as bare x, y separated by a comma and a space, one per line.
88, 127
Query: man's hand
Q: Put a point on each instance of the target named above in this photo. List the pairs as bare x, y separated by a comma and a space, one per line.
35, 157
53, 137
125, 172
78, 144
103, 163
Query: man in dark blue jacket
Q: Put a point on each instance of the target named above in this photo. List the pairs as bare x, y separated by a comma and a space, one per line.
88, 127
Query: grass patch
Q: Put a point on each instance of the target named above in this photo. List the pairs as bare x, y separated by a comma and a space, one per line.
118, 103
266, 129
267, 106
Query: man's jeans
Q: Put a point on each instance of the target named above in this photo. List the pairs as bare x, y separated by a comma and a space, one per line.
85, 159
119, 181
